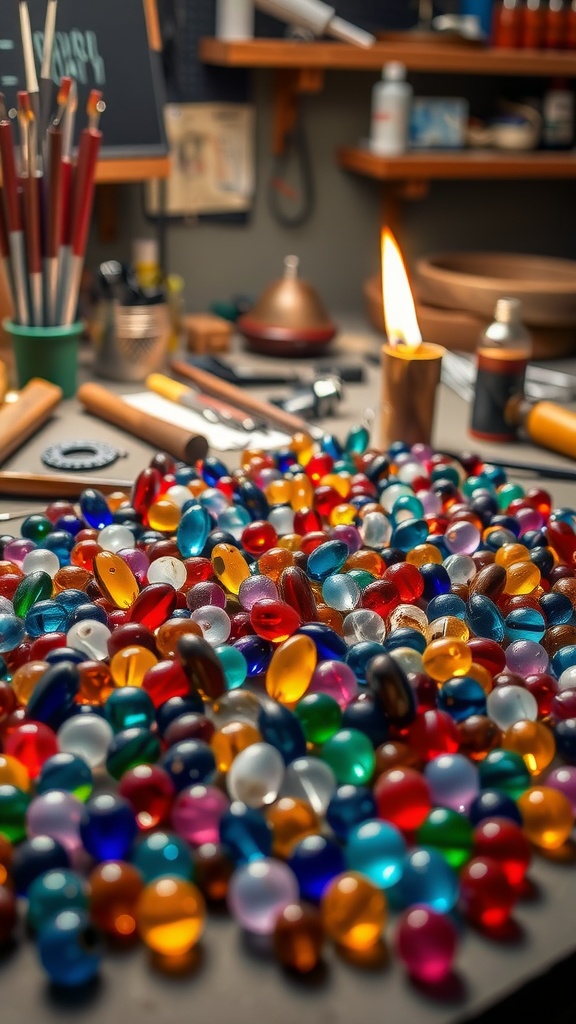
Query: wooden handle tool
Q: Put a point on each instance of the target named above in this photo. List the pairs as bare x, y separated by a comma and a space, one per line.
165, 436
56, 485
19, 420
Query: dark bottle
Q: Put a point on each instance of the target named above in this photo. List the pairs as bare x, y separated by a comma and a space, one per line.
555, 25
502, 356
506, 24
532, 25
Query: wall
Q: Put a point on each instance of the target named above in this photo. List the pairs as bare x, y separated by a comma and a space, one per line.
339, 246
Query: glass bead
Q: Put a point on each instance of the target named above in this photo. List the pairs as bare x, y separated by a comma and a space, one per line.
167, 570
33, 858
506, 771
245, 833
201, 666
298, 938
115, 537
449, 833
13, 806
189, 762
462, 697
533, 741
291, 820
426, 943
453, 781
94, 508
563, 779
214, 623
320, 716
52, 893
86, 736
335, 679
129, 748
115, 888
364, 625
161, 854
350, 806
150, 792
13, 773
403, 798
36, 586
376, 849
69, 949
256, 775
90, 637
56, 814
259, 892
170, 916
230, 740
509, 704
233, 665
290, 671
107, 827
487, 897
116, 581
315, 861
389, 683
491, 803
504, 842
350, 755
31, 743
312, 780
353, 911
526, 657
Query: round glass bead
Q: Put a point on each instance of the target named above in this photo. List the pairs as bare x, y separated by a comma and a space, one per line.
376, 849
170, 915
353, 911
259, 892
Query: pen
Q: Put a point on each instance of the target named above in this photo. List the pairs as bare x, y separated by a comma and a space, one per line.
211, 409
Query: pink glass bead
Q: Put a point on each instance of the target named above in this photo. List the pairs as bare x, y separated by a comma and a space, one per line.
349, 534
56, 814
197, 812
137, 561
526, 657
16, 550
337, 680
563, 779
426, 943
259, 892
257, 588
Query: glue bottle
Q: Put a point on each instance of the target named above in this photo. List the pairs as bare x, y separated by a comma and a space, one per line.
502, 356
391, 102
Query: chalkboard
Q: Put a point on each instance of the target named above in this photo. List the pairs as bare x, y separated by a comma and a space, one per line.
103, 44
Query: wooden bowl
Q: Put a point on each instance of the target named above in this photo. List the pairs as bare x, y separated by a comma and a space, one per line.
456, 329
474, 281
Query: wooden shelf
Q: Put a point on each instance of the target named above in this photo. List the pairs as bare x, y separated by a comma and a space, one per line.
450, 58
115, 171
466, 164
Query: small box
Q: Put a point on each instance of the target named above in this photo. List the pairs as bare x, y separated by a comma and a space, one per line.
206, 333
438, 123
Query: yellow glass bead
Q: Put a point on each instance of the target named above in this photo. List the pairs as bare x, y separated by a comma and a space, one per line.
510, 553
13, 773
533, 741
248, 455
168, 634
353, 911
170, 915
339, 482
424, 554
164, 515
115, 579
291, 820
302, 492
279, 492
547, 817
290, 541
230, 567
481, 674
522, 578
343, 515
448, 626
129, 665
274, 562
25, 679
445, 658
232, 738
116, 500
303, 446
291, 669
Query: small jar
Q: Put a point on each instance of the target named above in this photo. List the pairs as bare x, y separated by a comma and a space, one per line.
506, 24
555, 25
502, 357
532, 25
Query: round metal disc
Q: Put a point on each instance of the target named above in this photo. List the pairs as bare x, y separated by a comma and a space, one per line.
80, 455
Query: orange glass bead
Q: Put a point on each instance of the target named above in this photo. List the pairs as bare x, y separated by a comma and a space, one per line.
274, 562
547, 817
71, 577
339, 482
168, 634
522, 578
115, 579
343, 515
424, 554
447, 626
26, 678
291, 820
302, 492
84, 553
369, 561
290, 542
13, 773
533, 741
228, 741
170, 915
443, 659
116, 500
164, 515
510, 553
291, 669
298, 938
96, 683
129, 665
279, 492
115, 888
230, 567
330, 617
303, 446
353, 911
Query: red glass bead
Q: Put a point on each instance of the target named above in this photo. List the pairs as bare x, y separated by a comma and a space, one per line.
150, 791
31, 743
504, 841
486, 896
433, 733
403, 798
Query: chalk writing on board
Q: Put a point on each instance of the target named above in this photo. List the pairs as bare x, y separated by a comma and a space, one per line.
76, 54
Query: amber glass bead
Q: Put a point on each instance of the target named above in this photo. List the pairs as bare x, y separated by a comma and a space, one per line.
115, 888
395, 754
167, 635
228, 741
170, 915
25, 679
291, 820
533, 741
353, 911
298, 938
547, 817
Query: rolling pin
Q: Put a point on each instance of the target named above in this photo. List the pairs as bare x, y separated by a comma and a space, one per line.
56, 485
169, 438
213, 385
19, 420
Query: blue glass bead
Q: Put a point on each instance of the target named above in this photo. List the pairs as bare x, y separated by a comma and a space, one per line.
484, 618
53, 892
350, 806
246, 833
129, 708
70, 599
189, 762
563, 659
330, 445
498, 538
67, 772
161, 854
180, 613
279, 727
234, 520
565, 736
69, 948
543, 558
557, 608
365, 713
376, 849
360, 655
462, 697
409, 534
234, 665
94, 508
130, 748
326, 559
108, 827
87, 611
257, 653
33, 858
428, 878
53, 696
407, 506
253, 499
507, 522
212, 470
176, 706
341, 591
70, 523
405, 637
446, 604
496, 475
12, 632
330, 646
193, 529
65, 654
60, 543
184, 474
436, 580
534, 539
45, 617
505, 771
524, 624
492, 803
315, 861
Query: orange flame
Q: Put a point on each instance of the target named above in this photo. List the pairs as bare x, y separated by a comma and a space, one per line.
399, 311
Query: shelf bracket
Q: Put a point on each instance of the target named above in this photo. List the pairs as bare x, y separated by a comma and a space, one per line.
289, 86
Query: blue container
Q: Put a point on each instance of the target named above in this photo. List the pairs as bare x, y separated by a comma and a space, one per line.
482, 9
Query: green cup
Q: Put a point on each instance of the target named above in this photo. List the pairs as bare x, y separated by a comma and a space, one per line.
48, 352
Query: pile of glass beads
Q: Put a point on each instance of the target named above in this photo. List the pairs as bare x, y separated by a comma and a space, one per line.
333, 683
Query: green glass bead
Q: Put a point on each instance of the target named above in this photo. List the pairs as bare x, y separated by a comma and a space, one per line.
444, 472
350, 755
36, 527
131, 748
129, 708
53, 892
508, 493
234, 664
504, 770
13, 806
362, 577
357, 441
476, 483
320, 716
37, 586
344, 465
448, 832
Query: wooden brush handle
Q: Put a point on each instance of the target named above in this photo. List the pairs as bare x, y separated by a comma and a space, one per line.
56, 485
19, 420
212, 385
165, 436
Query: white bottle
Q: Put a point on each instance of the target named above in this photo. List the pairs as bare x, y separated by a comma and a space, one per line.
391, 102
234, 19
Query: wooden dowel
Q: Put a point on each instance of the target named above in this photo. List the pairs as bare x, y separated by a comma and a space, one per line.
19, 420
56, 485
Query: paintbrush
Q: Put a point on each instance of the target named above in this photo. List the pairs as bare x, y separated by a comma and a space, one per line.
30, 179
46, 85
29, 65
13, 215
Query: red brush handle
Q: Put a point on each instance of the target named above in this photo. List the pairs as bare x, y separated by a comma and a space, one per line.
84, 188
66, 201
10, 177
32, 221
4, 243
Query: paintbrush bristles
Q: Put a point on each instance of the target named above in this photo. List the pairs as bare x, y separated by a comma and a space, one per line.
26, 31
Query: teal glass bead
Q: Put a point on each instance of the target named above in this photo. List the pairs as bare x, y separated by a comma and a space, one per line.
444, 472
319, 715
525, 624
130, 748
36, 527
13, 806
409, 534
234, 520
504, 770
327, 559
67, 772
45, 617
407, 506
485, 618
341, 592
129, 708
56, 890
69, 949
448, 832
234, 665
193, 530
357, 441
37, 586
507, 493
161, 854
377, 849
362, 578
94, 508
12, 632
350, 755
